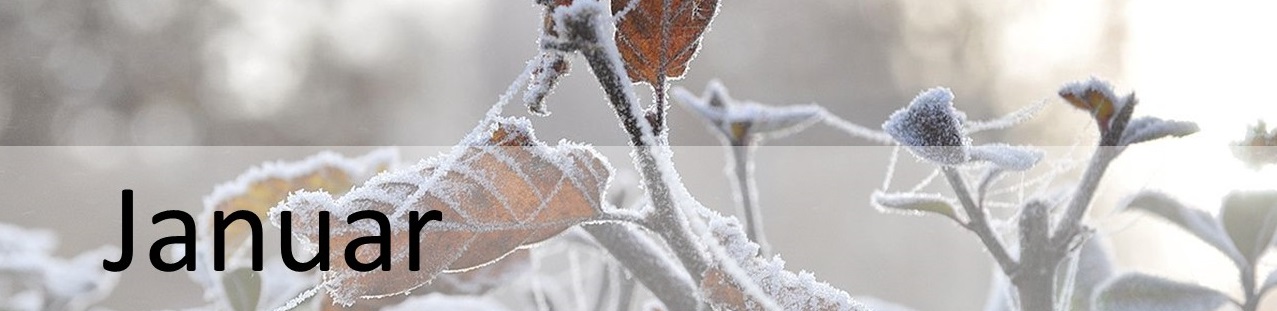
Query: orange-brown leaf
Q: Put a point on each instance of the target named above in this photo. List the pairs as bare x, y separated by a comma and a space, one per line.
498, 192
658, 41
266, 185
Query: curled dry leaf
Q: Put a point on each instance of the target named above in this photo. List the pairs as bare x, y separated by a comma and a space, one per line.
658, 38
264, 186
498, 191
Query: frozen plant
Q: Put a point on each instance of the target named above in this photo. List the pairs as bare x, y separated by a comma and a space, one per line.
1047, 237
32, 278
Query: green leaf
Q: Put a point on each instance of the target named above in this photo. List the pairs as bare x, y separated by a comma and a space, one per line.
1195, 221
243, 289
915, 203
1250, 219
1142, 292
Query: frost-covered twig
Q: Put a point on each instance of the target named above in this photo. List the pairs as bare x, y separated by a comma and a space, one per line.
648, 262
978, 221
589, 27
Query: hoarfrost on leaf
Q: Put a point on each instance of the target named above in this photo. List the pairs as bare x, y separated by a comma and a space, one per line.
791, 291
745, 121
1097, 97
31, 278
1007, 157
1152, 128
931, 128
499, 190
916, 203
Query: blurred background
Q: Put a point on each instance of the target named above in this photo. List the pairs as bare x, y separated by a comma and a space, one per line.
422, 73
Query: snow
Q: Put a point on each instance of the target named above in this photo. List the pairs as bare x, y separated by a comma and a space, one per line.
931, 128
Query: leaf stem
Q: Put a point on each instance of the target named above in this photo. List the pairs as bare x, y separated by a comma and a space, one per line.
747, 194
978, 221
668, 220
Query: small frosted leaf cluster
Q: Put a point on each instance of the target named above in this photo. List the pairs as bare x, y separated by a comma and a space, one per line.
1243, 232
32, 278
745, 121
1259, 147
931, 128
1097, 97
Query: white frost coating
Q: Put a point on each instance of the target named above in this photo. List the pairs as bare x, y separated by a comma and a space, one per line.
1011, 158
450, 179
914, 203
1006, 121
357, 169
746, 120
604, 32
31, 278
1080, 88
931, 128
451, 303
1151, 128
791, 291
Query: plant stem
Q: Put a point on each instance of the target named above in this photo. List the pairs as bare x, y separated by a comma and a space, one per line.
747, 194
647, 262
667, 220
979, 221
1248, 288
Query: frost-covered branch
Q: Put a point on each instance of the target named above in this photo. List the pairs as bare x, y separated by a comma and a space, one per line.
588, 25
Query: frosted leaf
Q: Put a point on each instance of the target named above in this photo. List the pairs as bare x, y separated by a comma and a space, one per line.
480, 280
931, 128
1152, 128
1011, 158
1135, 291
915, 203
261, 188
1250, 219
657, 39
744, 121
498, 191
1097, 97
1195, 221
1259, 147
265, 185
24, 250
29, 273
791, 291
451, 303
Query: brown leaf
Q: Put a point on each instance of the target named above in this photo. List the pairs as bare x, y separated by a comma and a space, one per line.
472, 282
264, 186
787, 290
657, 41
498, 192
